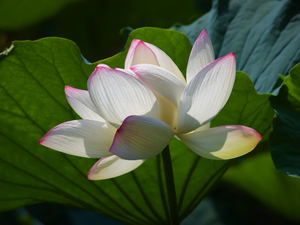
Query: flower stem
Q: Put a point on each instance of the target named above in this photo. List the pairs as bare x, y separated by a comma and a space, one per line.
172, 201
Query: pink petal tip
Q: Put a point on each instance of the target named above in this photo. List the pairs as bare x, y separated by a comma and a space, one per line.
40, 141
250, 131
136, 40
89, 173
67, 89
202, 35
102, 66
99, 67
44, 137
203, 32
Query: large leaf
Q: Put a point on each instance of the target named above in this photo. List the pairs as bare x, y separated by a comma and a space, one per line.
263, 34
33, 75
16, 14
284, 139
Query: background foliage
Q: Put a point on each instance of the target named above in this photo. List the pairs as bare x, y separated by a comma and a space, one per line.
94, 25
263, 34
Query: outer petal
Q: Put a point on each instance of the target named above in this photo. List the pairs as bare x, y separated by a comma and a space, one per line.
201, 55
206, 94
144, 53
141, 137
82, 104
224, 142
112, 166
160, 81
128, 71
118, 95
85, 138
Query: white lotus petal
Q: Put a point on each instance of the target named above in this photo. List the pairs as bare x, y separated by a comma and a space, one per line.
118, 95
139, 53
112, 166
160, 81
128, 71
82, 104
206, 94
141, 137
224, 142
85, 138
168, 112
203, 127
201, 55
145, 53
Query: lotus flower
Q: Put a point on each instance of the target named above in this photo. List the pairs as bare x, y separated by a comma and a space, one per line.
131, 114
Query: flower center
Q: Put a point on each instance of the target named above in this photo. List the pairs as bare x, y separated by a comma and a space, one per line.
168, 112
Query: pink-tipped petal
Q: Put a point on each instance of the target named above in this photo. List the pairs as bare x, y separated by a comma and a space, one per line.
112, 166
160, 81
201, 55
141, 137
128, 71
118, 95
145, 53
139, 53
82, 104
85, 138
102, 66
130, 53
206, 94
224, 142
166, 62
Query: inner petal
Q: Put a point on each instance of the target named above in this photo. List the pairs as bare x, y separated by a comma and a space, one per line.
143, 54
168, 112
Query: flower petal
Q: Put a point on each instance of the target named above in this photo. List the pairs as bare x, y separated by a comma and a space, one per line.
144, 53
141, 137
206, 94
128, 71
160, 81
139, 53
201, 55
82, 104
203, 127
168, 112
118, 95
112, 166
224, 142
85, 138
